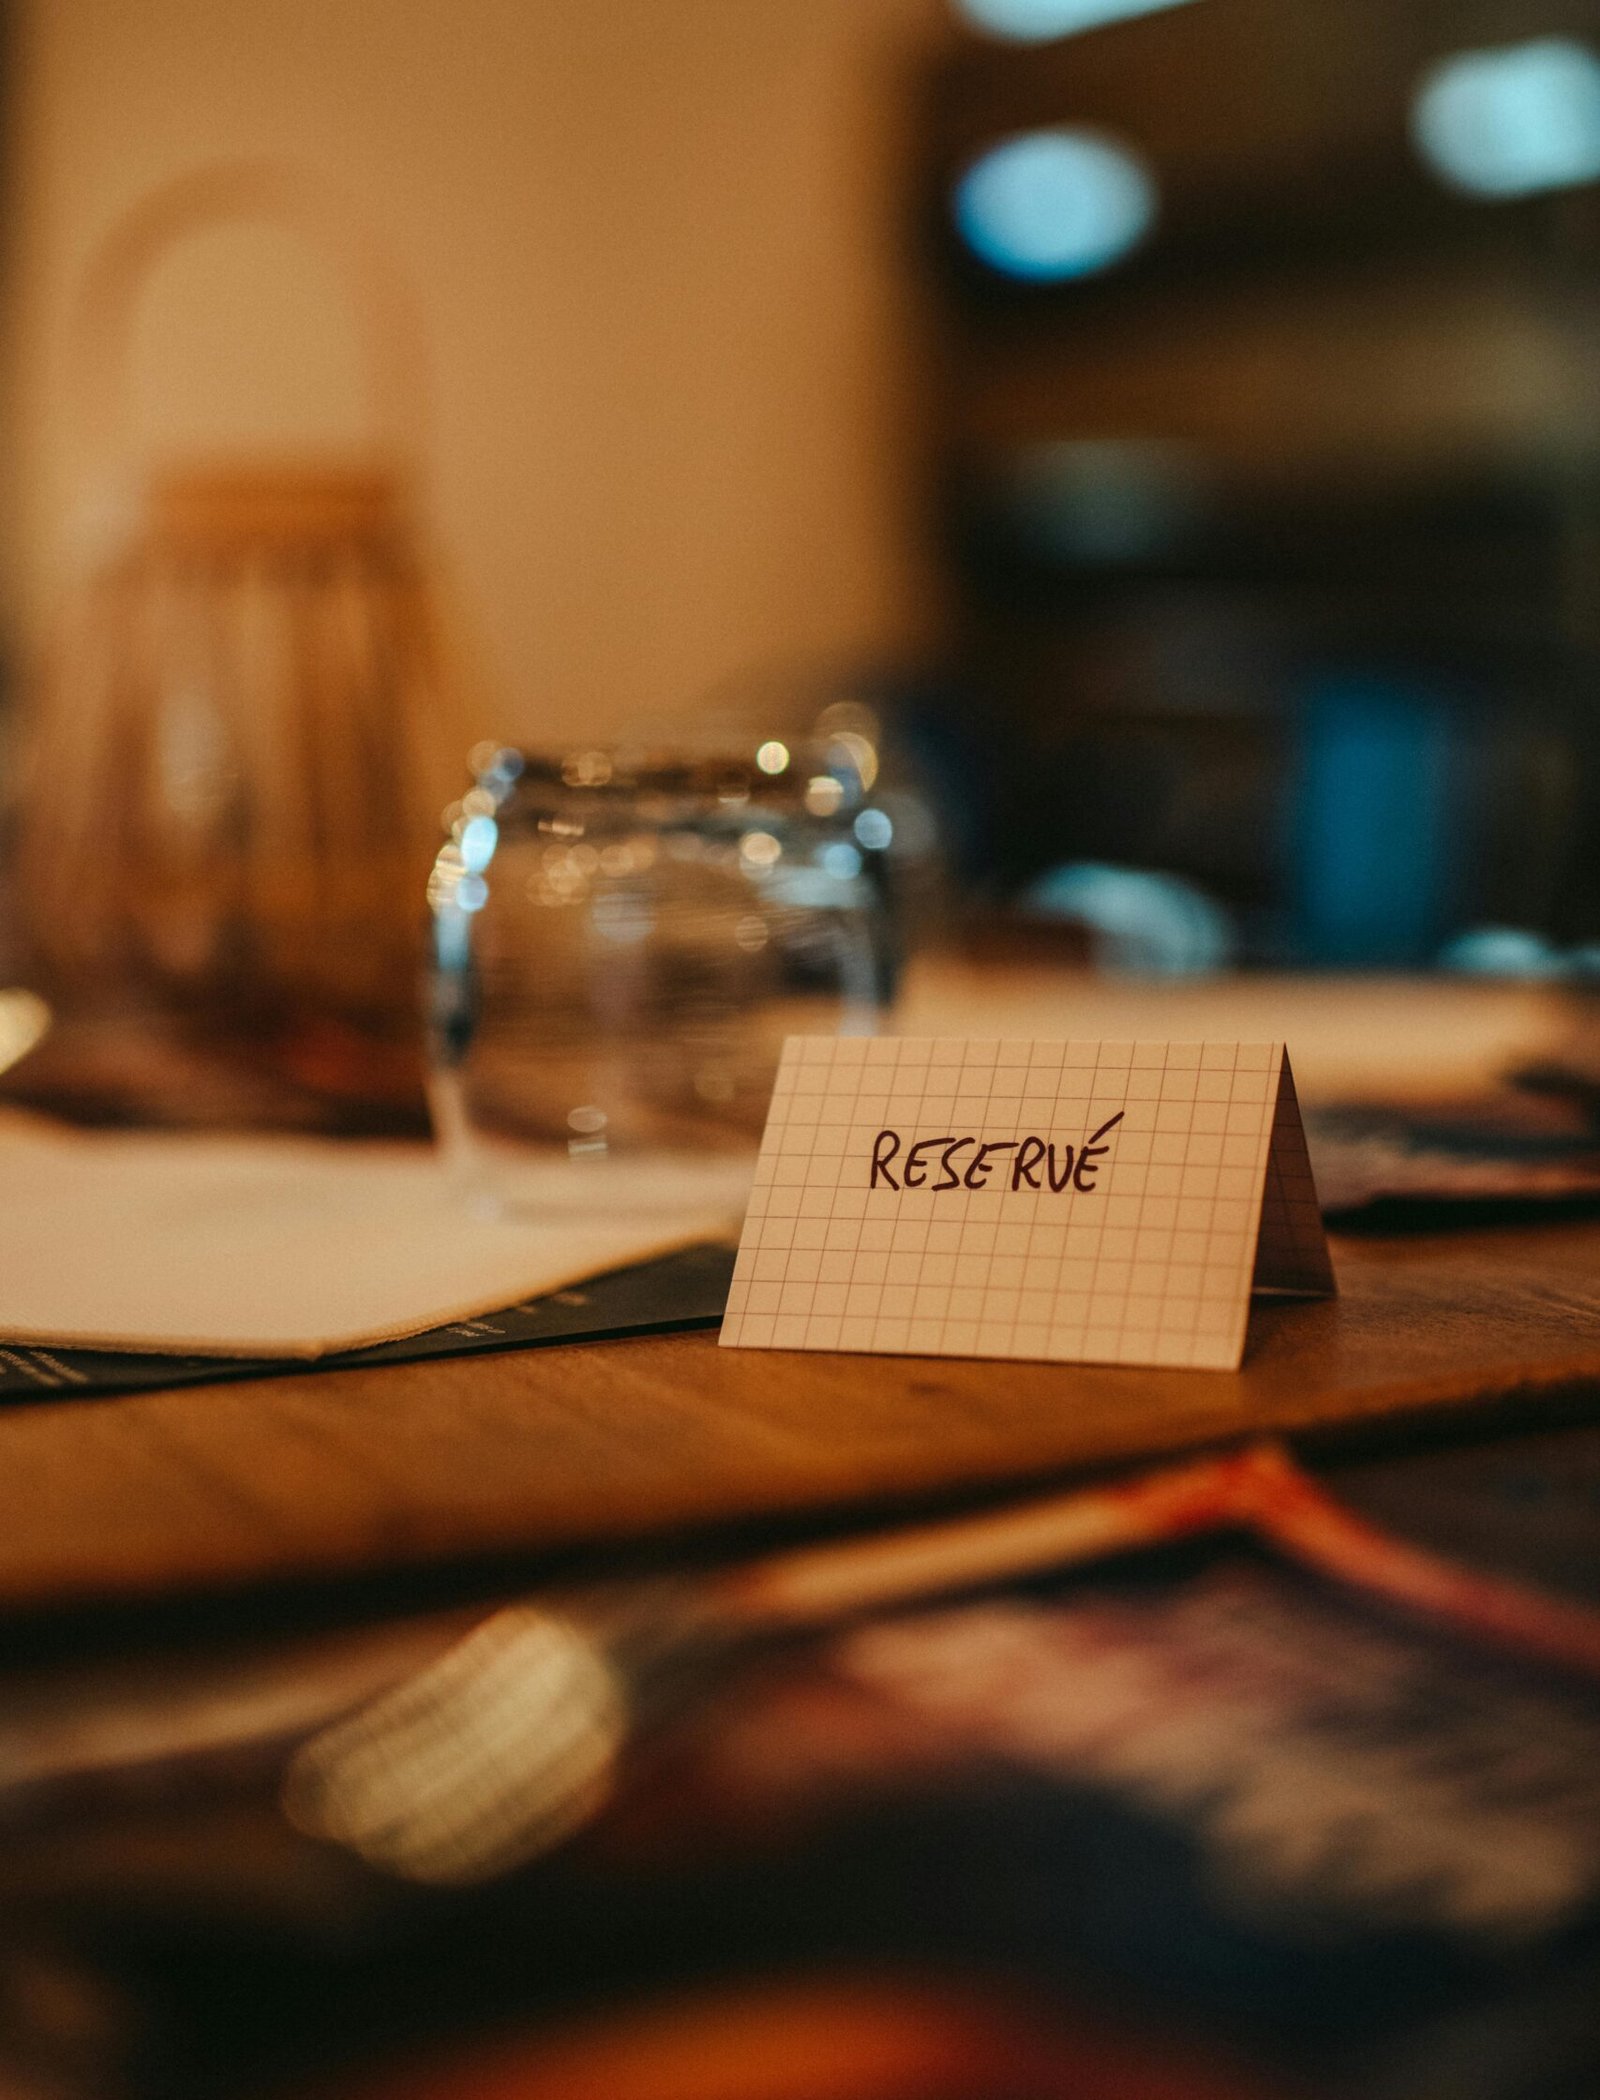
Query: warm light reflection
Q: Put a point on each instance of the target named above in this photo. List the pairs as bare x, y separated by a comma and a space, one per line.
24, 1021
856, 752
587, 768
486, 1758
759, 849
1054, 205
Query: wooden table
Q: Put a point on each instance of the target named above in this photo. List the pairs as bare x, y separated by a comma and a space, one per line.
350, 1472
328, 1473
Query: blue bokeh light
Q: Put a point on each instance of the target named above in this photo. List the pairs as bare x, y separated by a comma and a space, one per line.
1512, 121
1049, 206
1042, 21
479, 837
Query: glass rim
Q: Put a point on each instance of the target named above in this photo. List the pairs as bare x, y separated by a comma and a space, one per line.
729, 777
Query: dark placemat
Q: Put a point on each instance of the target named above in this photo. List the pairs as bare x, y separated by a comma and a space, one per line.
1502, 1162
686, 1289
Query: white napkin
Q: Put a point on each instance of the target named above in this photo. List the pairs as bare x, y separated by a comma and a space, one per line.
290, 1247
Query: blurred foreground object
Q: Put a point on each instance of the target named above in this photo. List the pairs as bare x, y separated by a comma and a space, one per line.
622, 940
502, 1747
827, 2038
234, 769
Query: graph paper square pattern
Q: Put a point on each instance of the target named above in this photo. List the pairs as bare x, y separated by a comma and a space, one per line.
1075, 1202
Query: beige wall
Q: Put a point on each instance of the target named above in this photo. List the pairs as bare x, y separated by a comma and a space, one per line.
658, 250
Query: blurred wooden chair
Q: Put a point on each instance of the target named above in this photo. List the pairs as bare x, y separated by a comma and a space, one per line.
234, 770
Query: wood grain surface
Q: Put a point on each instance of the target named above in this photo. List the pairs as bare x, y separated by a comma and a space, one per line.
346, 1472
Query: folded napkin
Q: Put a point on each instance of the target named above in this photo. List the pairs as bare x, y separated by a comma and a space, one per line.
293, 1248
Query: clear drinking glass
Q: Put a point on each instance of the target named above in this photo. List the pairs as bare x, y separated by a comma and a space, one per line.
622, 941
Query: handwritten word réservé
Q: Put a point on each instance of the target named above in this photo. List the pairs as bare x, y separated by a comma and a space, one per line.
1060, 1165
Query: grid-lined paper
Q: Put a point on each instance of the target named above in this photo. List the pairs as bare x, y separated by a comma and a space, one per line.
1146, 1258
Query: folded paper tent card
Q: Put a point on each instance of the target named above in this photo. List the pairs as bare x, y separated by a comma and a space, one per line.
1087, 1202
1090, 1202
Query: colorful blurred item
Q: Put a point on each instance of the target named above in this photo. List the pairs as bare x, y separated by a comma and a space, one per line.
234, 772
829, 2038
504, 1746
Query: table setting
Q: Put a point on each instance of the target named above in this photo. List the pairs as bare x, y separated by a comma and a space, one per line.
871, 1377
